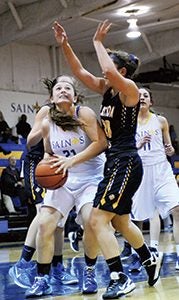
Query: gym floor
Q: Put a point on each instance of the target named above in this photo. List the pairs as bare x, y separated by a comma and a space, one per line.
165, 289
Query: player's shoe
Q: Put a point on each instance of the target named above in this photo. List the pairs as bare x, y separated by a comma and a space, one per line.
120, 284
40, 287
89, 281
60, 275
177, 264
153, 266
126, 252
74, 241
23, 273
135, 266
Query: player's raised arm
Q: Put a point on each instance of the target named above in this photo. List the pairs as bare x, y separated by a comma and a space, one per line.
92, 82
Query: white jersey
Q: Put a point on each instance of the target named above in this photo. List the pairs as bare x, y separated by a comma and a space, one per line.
68, 143
153, 152
158, 188
83, 179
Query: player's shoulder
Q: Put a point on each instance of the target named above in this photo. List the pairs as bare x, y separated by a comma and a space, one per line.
86, 110
162, 119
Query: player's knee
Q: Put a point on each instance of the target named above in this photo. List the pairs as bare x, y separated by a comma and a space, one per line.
46, 228
175, 213
93, 222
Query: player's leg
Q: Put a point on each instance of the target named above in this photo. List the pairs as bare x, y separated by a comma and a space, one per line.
83, 203
175, 214
151, 260
90, 252
120, 283
23, 272
167, 195
48, 220
59, 274
155, 229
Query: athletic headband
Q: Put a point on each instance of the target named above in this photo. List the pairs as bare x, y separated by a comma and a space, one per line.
133, 59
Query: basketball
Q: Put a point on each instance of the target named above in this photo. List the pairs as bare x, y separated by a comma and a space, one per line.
46, 176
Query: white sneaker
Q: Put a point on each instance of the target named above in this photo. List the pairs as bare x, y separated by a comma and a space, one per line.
177, 264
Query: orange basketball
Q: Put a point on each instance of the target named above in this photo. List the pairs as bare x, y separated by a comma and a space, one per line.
46, 176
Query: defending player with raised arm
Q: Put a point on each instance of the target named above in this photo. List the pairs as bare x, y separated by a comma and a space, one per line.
123, 168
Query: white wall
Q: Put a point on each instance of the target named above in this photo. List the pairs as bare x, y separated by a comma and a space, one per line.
23, 67
14, 104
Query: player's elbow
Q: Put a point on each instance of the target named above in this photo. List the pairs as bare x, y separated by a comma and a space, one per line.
107, 72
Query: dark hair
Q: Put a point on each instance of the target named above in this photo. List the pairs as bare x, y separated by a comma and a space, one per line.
63, 120
48, 84
123, 59
149, 91
147, 88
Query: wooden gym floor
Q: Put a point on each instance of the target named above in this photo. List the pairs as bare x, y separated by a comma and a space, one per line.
167, 287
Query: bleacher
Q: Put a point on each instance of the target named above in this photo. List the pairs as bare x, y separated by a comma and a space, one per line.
16, 150
12, 227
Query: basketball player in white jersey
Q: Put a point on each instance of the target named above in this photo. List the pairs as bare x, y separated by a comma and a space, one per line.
23, 272
158, 189
72, 133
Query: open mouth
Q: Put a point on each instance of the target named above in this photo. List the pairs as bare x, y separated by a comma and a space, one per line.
63, 97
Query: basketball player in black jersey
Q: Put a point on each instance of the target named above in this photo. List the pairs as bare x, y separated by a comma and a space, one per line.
123, 169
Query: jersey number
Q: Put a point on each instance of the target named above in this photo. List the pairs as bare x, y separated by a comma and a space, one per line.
147, 147
69, 153
107, 128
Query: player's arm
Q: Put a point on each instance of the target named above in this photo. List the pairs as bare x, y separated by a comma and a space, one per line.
95, 134
35, 134
124, 85
169, 150
92, 82
45, 131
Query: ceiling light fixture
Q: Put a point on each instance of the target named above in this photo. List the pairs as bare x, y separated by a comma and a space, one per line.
133, 28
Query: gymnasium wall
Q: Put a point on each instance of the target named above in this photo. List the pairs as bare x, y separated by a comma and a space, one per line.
24, 66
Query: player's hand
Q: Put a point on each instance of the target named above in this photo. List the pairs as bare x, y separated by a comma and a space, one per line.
169, 150
60, 33
144, 140
102, 31
62, 162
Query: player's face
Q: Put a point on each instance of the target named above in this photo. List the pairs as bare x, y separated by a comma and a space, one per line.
63, 92
145, 100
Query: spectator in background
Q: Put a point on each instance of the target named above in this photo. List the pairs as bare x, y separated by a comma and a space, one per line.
173, 137
11, 183
5, 130
23, 128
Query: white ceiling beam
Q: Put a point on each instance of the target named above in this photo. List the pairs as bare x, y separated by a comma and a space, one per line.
146, 41
15, 15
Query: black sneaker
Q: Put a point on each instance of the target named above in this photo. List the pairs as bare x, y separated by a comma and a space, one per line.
153, 266
126, 252
73, 238
120, 284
